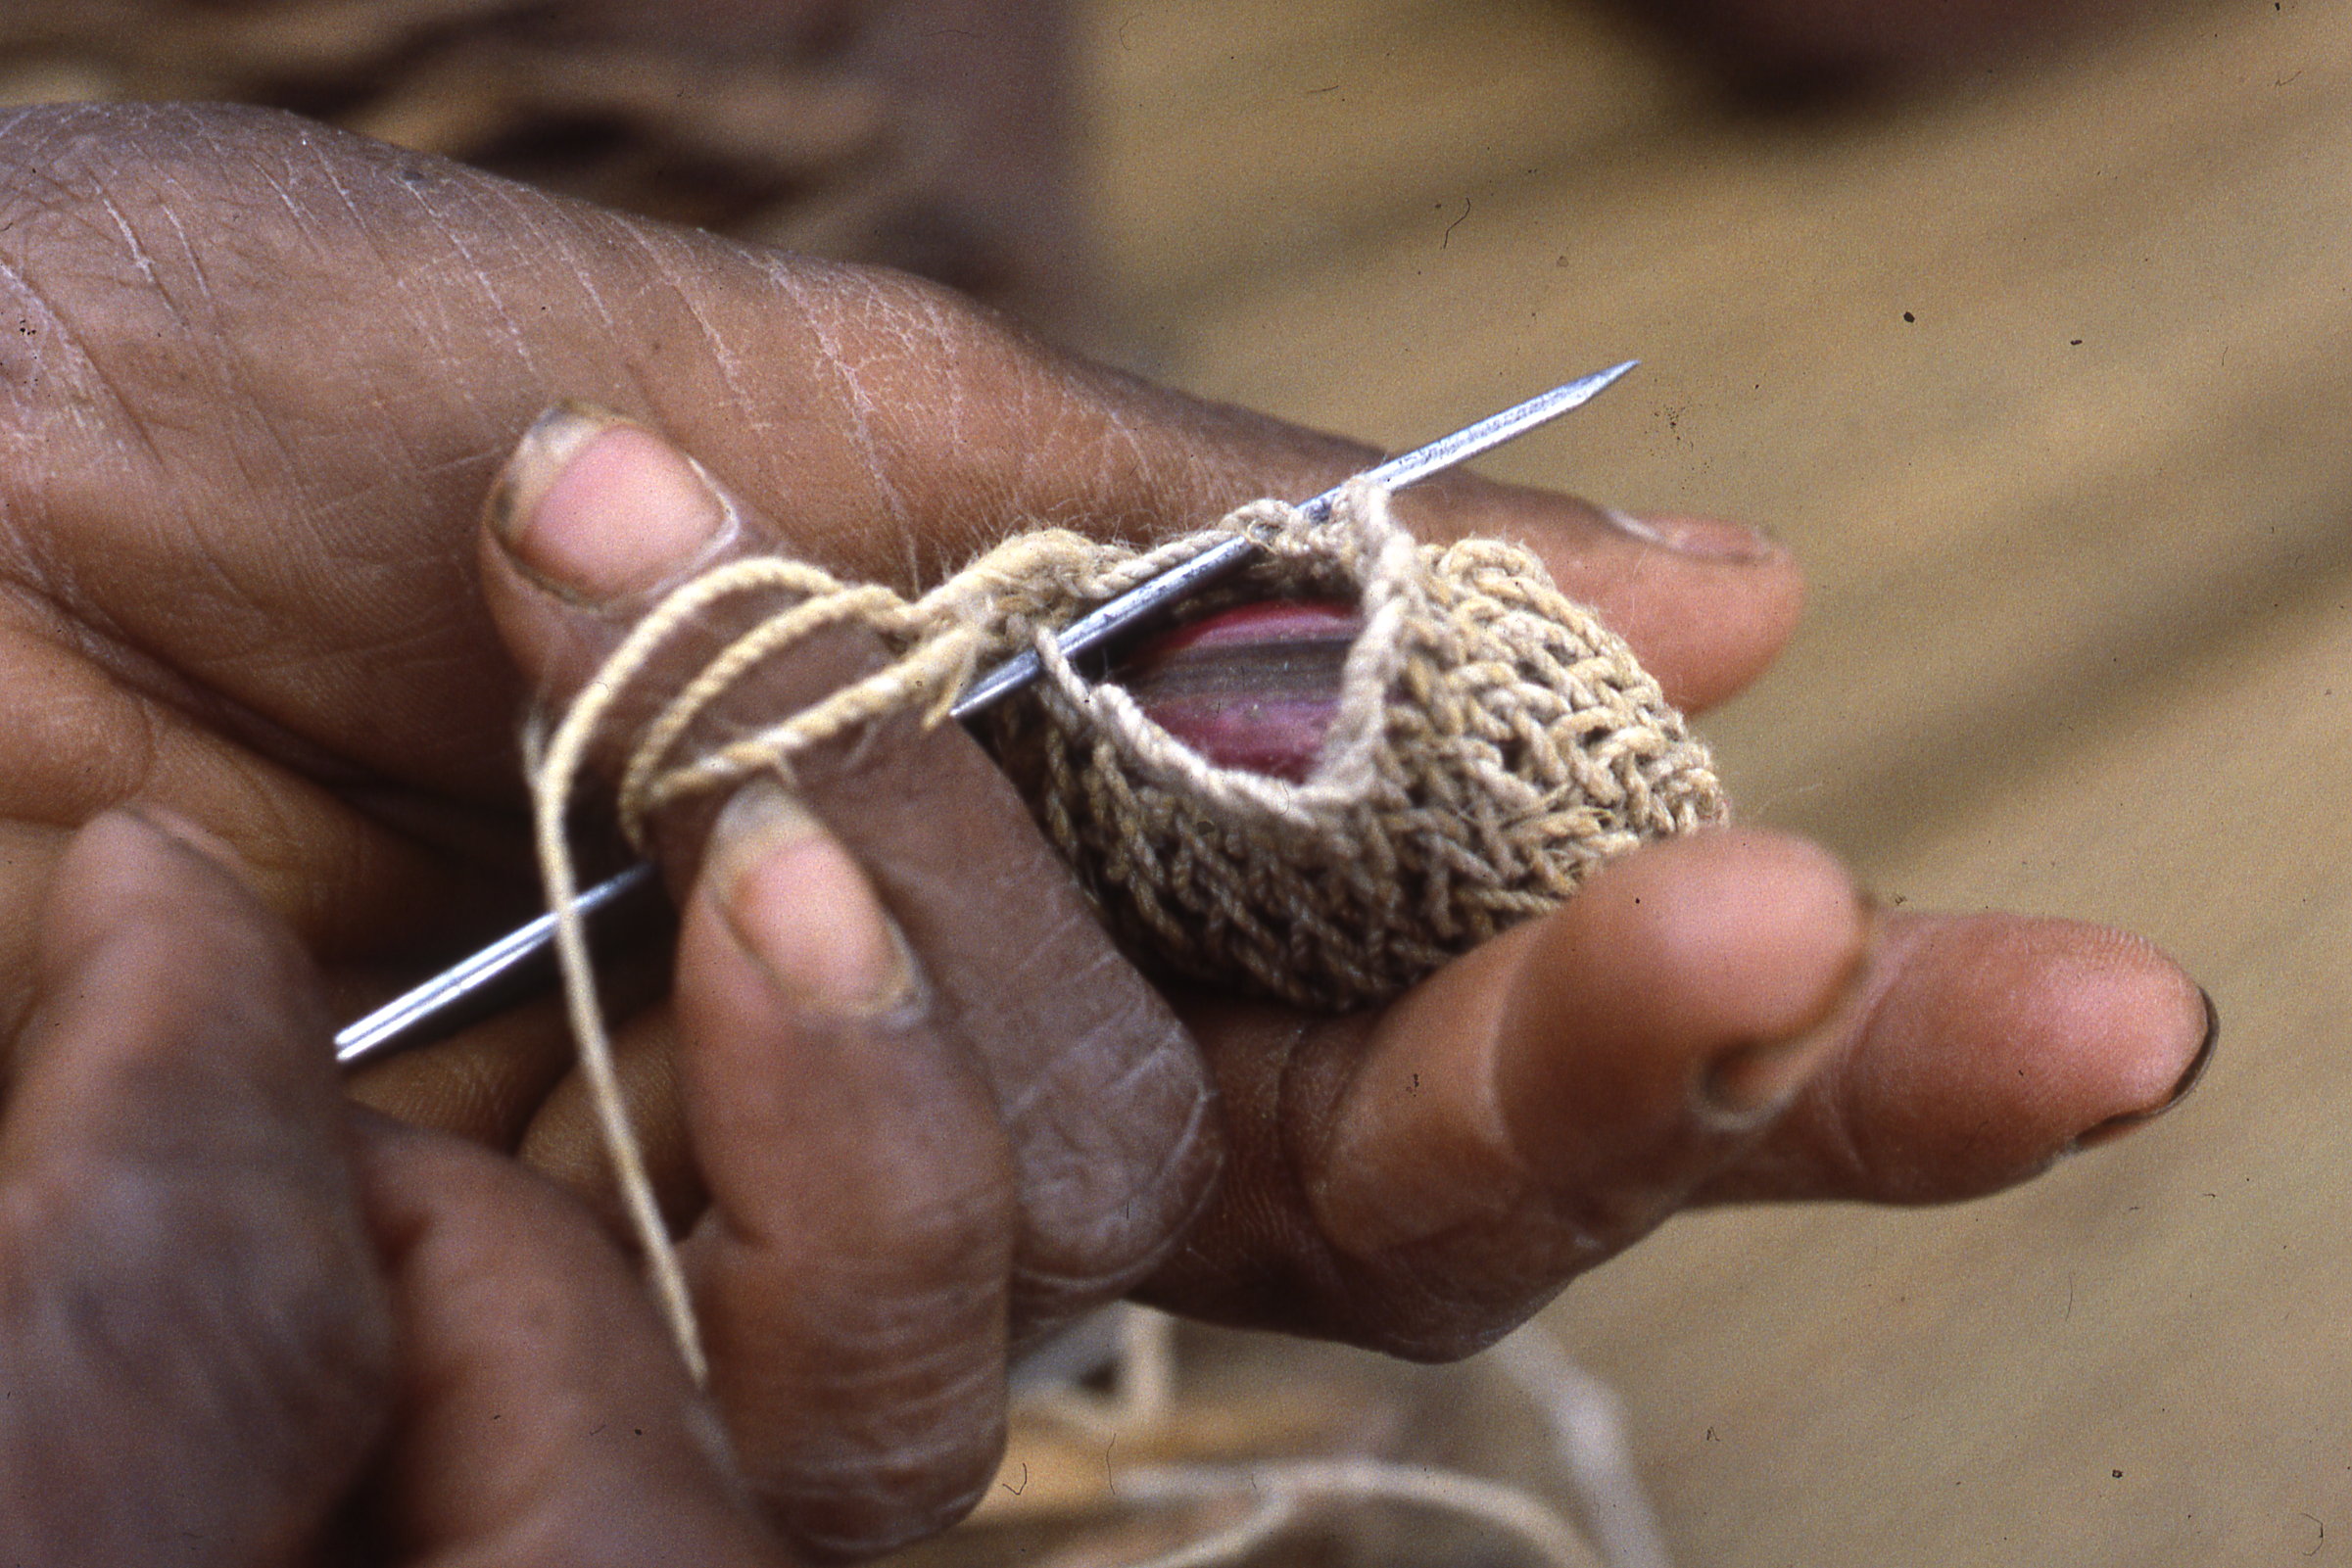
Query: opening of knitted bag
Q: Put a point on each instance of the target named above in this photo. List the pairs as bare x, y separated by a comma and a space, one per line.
1488, 744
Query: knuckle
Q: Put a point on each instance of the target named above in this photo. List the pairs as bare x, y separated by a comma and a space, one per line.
917, 1456
1129, 1160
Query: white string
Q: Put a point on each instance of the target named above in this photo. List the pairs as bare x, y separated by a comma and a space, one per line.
1285, 1484
557, 771
1589, 1432
1583, 1418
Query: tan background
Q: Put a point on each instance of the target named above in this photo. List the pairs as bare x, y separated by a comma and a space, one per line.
2080, 641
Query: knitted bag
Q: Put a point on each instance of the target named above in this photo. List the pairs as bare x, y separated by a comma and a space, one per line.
1491, 744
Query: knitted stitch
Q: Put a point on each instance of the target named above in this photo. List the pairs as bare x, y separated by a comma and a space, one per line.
1492, 744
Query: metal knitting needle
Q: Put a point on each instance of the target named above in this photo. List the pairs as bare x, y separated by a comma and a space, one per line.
523, 961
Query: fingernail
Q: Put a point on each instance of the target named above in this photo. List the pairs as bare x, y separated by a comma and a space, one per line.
594, 507
802, 907
1705, 538
2115, 1127
1751, 1082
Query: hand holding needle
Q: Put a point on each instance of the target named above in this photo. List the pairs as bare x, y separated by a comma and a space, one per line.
520, 962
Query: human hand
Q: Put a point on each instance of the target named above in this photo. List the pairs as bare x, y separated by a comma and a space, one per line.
266, 377
229, 1312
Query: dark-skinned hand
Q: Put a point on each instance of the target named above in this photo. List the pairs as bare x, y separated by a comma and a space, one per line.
262, 376
246, 1324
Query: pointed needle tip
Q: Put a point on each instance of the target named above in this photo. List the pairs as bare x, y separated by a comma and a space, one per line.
1545, 407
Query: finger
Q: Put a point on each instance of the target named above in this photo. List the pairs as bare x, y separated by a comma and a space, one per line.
1706, 606
543, 1416
1989, 1047
564, 1144
1424, 1180
495, 1081
197, 1343
1102, 1097
852, 1272
1422, 1185
485, 1084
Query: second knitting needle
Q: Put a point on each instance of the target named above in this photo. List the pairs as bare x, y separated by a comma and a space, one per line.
522, 963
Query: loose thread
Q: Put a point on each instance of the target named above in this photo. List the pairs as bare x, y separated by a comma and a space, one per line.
553, 780
1284, 1484
1590, 1435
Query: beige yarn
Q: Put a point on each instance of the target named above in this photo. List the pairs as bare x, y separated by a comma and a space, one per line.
1492, 744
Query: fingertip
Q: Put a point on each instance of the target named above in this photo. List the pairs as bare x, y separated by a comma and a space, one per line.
2174, 1080
1687, 995
1706, 605
539, 457
2119, 1031
117, 848
2096, 1023
594, 507
1994, 1046
1728, 934
802, 910
1715, 629
149, 879
484, 1084
406, 1174
419, 1182
565, 1142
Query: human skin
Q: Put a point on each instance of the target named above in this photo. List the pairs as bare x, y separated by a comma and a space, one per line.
241, 1323
262, 379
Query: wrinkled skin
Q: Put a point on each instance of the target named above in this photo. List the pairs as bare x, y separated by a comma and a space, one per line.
206, 1267
261, 380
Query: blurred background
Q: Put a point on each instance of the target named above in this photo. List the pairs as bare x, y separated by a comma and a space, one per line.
2025, 325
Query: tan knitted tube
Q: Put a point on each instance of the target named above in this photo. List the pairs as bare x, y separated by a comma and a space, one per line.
1493, 743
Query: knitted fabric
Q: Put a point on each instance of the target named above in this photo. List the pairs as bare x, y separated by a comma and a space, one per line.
1492, 744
